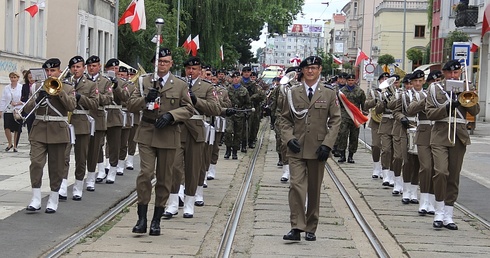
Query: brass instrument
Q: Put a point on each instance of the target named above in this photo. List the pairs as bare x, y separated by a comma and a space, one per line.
387, 88
375, 116
287, 78
140, 72
467, 98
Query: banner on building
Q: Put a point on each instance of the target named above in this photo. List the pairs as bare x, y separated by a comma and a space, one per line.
305, 28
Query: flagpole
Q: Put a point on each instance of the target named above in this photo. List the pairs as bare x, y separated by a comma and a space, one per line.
116, 31
178, 22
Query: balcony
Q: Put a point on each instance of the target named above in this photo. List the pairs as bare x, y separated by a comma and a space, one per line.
390, 6
466, 16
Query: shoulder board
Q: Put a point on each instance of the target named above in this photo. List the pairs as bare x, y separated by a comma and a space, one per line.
206, 80
146, 74
182, 78
328, 86
67, 82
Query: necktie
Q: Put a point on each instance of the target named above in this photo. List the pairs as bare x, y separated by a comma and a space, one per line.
310, 93
161, 82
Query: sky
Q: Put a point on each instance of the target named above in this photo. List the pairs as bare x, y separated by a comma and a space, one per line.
311, 9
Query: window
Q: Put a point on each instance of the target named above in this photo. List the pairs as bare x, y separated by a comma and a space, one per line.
420, 31
22, 28
353, 33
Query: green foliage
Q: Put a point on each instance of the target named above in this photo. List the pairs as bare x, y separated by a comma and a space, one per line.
455, 36
386, 59
415, 54
233, 24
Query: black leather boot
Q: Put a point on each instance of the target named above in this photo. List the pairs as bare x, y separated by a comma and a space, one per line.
244, 147
335, 151
279, 163
228, 152
234, 155
140, 226
350, 159
155, 221
342, 156
251, 144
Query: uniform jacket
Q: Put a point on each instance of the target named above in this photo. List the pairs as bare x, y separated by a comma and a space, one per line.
89, 100
207, 104
131, 88
174, 99
437, 111
386, 125
105, 98
255, 93
239, 98
356, 97
52, 132
136, 115
321, 124
372, 98
120, 94
417, 108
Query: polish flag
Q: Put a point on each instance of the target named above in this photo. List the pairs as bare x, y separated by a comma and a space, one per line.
486, 21
194, 45
33, 9
221, 53
360, 56
155, 38
134, 15
337, 60
187, 43
474, 47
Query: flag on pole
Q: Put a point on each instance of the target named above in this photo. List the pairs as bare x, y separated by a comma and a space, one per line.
187, 43
337, 60
155, 38
486, 21
360, 56
221, 53
33, 9
474, 48
134, 15
194, 45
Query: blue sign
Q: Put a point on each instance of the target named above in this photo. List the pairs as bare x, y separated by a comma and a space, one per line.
461, 52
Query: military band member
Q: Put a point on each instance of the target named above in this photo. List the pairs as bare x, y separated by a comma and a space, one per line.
135, 120
128, 125
348, 130
95, 154
49, 136
87, 96
443, 108
422, 140
235, 124
165, 103
309, 126
115, 120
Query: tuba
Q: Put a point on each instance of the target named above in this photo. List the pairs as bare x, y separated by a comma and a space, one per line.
387, 88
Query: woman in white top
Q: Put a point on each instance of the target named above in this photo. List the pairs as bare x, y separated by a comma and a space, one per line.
10, 101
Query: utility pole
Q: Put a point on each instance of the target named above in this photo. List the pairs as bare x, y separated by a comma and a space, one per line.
404, 32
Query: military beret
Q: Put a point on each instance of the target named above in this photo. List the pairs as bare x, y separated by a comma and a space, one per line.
52, 63
311, 60
343, 75
350, 76
132, 71
112, 62
407, 78
253, 74
434, 75
417, 74
93, 59
246, 69
383, 75
192, 61
293, 68
222, 71
395, 76
163, 52
74, 60
123, 69
452, 65
235, 74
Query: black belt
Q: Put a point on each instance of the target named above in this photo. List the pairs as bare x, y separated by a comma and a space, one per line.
148, 120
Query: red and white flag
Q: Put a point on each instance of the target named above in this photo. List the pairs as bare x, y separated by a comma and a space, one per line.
194, 45
33, 9
486, 21
155, 38
134, 15
360, 56
474, 47
221, 53
337, 60
187, 43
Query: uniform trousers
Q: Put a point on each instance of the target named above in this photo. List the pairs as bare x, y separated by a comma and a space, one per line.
426, 170
348, 132
375, 142
131, 142
398, 153
306, 177
163, 159
56, 165
234, 131
178, 168
254, 124
81, 154
215, 152
411, 164
95, 148
205, 164
283, 148
123, 150
113, 144
190, 157
448, 162
386, 151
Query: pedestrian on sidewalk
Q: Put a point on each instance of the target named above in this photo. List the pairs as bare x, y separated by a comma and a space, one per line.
9, 105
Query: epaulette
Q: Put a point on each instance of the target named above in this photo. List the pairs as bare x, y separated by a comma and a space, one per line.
146, 74
182, 78
208, 81
67, 82
329, 86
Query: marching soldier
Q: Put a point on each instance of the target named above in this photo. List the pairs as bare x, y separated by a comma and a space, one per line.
309, 126
87, 96
444, 109
135, 121
115, 121
273, 104
257, 96
50, 135
165, 102
341, 82
235, 124
127, 126
95, 154
348, 130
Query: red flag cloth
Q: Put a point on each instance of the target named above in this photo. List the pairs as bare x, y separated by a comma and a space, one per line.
474, 47
360, 56
354, 112
221, 53
194, 45
486, 22
134, 15
337, 60
32, 10
186, 45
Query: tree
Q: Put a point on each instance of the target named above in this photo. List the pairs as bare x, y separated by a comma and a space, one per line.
416, 55
386, 59
453, 36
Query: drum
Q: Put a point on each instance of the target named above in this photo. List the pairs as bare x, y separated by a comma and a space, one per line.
412, 147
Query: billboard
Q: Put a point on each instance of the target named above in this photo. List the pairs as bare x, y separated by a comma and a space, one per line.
305, 28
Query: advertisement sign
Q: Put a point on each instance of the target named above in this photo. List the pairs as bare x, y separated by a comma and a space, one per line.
305, 28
